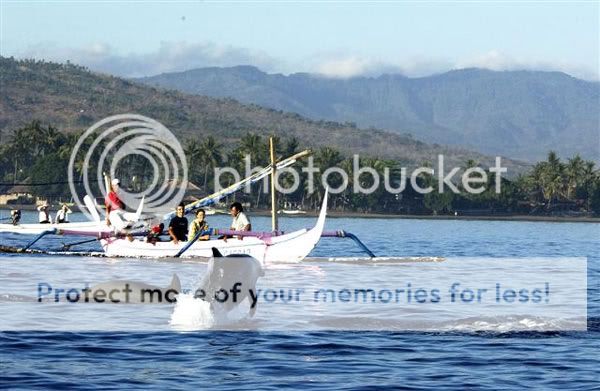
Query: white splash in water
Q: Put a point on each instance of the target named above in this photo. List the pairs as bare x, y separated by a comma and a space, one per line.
191, 313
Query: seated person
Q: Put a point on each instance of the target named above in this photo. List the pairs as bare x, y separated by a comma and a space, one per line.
199, 225
15, 216
44, 215
154, 234
240, 222
62, 216
178, 227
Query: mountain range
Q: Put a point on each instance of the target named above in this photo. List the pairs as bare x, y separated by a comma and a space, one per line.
521, 114
72, 98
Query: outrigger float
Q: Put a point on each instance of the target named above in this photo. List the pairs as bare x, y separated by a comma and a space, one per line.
267, 247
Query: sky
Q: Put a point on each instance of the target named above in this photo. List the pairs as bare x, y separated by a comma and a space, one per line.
333, 38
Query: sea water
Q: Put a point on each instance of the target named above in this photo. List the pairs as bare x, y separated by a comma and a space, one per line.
169, 345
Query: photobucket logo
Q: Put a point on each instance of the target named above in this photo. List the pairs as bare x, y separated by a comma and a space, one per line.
367, 180
145, 156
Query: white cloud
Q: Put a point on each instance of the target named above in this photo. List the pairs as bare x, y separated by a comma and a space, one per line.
170, 57
341, 66
344, 67
180, 56
498, 61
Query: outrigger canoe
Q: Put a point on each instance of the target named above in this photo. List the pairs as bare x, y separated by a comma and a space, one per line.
36, 229
266, 248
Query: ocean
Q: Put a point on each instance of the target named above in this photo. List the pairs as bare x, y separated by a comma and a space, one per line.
312, 344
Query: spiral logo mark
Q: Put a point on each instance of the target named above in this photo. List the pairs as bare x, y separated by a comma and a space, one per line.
141, 152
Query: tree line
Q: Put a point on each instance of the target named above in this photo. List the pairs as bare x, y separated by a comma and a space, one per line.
40, 154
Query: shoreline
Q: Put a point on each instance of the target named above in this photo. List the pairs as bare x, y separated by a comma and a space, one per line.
530, 218
338, 215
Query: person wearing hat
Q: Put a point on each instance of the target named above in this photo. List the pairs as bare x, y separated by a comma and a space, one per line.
44, 213
62, 216
114, 205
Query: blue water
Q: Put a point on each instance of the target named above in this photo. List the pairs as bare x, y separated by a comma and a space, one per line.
338, 359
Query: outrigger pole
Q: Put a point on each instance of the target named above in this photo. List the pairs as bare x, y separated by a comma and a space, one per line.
344, 234
41, 235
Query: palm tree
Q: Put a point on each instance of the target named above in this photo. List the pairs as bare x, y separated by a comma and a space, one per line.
252, 144
574, 174
552, 178
291, 147
325, 158
193, 153
211, 156
589, 179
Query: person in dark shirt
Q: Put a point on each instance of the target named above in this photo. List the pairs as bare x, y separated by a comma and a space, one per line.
178, 227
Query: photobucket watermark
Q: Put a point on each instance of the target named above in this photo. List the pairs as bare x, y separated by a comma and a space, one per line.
367, 180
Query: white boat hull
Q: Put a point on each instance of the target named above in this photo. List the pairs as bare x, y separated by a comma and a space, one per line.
291, 247
36, 229
292, 212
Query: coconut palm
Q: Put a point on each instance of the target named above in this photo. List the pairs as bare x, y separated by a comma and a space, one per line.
252, 144
574, 174
291, 147
193, 153
211, 156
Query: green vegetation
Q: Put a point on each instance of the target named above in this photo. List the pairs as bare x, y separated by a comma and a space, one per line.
39, 154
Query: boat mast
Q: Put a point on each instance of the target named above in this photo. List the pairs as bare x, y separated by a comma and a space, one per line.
274, 224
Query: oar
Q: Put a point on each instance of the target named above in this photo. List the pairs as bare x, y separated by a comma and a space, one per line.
189, 244
5, 218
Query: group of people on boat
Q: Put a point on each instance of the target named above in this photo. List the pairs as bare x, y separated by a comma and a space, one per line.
62, 216
179, 229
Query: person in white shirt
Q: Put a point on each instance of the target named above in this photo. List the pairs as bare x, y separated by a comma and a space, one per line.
44, 213
240, 222
62, 216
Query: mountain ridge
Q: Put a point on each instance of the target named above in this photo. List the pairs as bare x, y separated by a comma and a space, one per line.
72, 98
521, 114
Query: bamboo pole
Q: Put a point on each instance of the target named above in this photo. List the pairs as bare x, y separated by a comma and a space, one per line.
107, 184
274, 224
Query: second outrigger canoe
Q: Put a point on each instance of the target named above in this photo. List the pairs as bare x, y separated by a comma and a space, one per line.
35, 229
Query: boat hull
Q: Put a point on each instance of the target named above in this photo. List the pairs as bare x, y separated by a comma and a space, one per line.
36, 229
291, 247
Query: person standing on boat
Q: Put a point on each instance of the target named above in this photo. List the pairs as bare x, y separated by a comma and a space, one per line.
114, 205
240, 222
178, 226
199, 225
62, 216
44, 213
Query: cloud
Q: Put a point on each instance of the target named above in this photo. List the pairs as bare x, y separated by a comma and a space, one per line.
498, 61
170, 57
350, 66
181, 56
344, 67
339, 65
